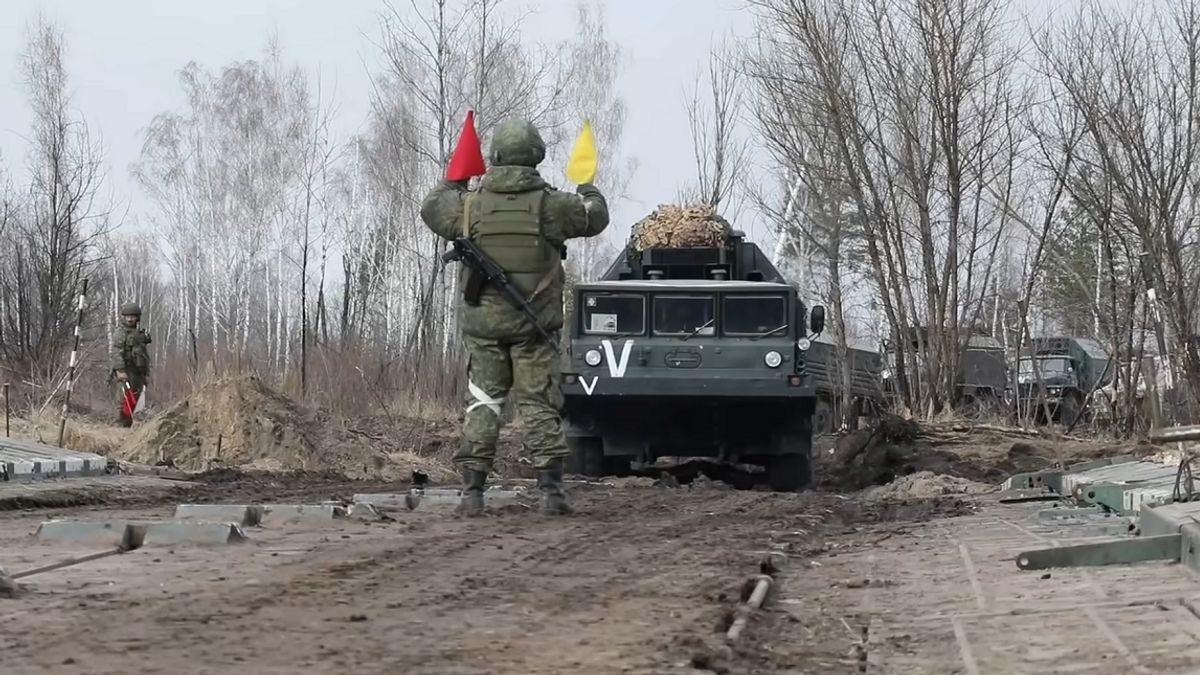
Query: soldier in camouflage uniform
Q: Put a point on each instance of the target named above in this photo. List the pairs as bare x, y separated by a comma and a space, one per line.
129, 356
523, 224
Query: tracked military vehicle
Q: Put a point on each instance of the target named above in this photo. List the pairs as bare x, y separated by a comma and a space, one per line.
688, 353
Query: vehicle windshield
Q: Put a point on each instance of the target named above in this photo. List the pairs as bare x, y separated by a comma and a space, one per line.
614, 314
684, 315
754, 315
1050, 367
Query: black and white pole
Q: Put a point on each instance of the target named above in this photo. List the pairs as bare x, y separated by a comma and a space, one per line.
62, 419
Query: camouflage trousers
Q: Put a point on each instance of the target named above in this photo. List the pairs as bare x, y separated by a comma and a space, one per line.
527, 368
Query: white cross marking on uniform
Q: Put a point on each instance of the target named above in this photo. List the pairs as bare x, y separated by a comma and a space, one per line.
482, 399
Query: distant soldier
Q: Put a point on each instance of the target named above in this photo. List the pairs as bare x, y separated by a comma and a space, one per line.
523, 224
130, 359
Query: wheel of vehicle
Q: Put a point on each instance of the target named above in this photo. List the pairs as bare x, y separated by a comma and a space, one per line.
789, 473
968, 405
822, 418
990, 403
587, 456
856, 411
1068, 410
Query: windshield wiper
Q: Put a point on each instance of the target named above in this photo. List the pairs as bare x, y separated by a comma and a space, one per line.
770, 332
616, 336
697, 330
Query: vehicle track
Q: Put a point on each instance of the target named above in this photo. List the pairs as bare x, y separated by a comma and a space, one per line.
638, 581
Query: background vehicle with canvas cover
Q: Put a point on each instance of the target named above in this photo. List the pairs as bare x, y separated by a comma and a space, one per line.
690, 352
1059, 374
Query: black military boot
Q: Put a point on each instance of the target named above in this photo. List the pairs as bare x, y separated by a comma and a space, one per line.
472, 497
554, 500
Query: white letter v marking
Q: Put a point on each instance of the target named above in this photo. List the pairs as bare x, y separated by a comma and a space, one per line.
617, 368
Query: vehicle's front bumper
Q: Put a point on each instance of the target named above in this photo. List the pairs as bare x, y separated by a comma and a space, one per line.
777, 386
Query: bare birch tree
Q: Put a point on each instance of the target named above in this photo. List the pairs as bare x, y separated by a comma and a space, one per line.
714, 110
1131, 77
50, 228
916, 96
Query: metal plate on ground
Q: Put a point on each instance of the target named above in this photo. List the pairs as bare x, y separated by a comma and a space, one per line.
395, 501
1169, 518
28, 460
164, 532
109, 532
1148, 495
1124, 473
247, 516
278, 514
1052, 479
200, 533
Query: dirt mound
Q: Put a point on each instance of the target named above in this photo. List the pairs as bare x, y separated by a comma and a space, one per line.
242, 423
926, 485
895, 448
237, 422
673, 226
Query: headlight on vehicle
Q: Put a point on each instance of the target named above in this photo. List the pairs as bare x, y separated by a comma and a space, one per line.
592, 357
773, 359
803, 344
1054, 391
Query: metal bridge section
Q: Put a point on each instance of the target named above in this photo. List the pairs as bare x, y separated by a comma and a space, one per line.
22, 460
1154, 506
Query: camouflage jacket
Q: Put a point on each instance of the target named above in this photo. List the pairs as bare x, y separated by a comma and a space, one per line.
564, 216
128, 351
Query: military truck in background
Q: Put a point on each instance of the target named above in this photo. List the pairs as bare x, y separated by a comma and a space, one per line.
690, 352
982, 371
1064, 371
866, 383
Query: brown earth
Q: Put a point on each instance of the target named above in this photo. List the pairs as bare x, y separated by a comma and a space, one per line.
263, 433
242, 423
644, 578
896, 448
640, 580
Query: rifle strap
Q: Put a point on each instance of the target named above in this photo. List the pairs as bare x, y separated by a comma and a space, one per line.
467, 215
545, 281
549, 277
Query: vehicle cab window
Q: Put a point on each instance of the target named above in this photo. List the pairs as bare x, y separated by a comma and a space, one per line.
1050, 367
684, 315
614, 314
754, 315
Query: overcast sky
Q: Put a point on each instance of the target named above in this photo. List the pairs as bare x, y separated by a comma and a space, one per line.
124, 56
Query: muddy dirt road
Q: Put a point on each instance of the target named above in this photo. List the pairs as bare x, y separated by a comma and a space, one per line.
642, 580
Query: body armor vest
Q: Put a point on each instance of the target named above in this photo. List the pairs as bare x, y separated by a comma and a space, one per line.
508, 227
134, 351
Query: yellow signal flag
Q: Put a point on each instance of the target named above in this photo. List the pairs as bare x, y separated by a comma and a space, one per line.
581, 167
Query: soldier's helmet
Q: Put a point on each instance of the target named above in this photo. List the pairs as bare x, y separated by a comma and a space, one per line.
516, 143
131, 309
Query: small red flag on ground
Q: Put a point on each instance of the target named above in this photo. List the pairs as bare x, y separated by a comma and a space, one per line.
467, 160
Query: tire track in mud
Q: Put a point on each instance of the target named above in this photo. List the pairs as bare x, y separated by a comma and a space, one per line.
446, 566
624, 585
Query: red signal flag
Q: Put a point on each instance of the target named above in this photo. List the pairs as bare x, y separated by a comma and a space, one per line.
467, 160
